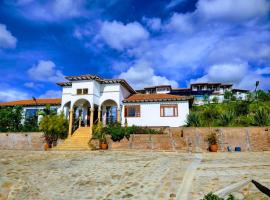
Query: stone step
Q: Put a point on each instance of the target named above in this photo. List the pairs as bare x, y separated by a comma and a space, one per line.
78, 141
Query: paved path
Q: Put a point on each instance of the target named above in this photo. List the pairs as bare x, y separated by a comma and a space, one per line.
125, 175
183, 193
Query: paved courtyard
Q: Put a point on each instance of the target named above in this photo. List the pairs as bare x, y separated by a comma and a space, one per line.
126, 175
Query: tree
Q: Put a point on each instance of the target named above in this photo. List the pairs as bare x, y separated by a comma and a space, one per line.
10, 118
228, 95
54, 127
206, 98
215, 100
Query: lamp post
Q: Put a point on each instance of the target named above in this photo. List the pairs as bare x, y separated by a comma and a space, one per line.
35, 100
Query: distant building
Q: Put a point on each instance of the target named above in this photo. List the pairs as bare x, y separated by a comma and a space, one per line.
201, 92
31, 106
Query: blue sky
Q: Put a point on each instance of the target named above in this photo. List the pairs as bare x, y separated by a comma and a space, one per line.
145, 42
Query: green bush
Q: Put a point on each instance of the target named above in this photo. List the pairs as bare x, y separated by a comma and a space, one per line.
194, 119
232, 113
118, 132
10, 119
261, 117
30, 124
211, 196
54, 126
226, 118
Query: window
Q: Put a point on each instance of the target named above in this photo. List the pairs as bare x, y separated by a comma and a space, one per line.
79, 91
168, 110
133, 111
82, 91
85, 91
30, 113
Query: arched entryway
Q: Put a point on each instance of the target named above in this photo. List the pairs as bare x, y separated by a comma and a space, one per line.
81, 114
66, 109
109, 112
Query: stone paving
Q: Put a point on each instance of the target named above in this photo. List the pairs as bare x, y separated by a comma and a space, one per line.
134, 175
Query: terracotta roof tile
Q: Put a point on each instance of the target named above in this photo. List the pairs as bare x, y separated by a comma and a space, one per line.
31, 102
155, 97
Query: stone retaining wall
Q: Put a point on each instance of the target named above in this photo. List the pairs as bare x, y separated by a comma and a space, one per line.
174, 139
24, 141
193, 139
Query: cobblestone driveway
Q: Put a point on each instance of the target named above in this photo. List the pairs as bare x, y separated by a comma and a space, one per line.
124, 175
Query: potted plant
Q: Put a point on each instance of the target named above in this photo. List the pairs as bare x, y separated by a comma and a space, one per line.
99, 134
212, 141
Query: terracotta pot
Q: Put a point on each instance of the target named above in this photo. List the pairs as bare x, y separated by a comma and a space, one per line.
46, 147
213, 148
103, 146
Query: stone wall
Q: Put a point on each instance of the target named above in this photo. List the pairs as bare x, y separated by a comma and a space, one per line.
24, 141
174, 139
193, 140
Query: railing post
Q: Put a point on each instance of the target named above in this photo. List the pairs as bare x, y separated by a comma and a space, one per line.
91, 117
119, 115
99, 113
70, 122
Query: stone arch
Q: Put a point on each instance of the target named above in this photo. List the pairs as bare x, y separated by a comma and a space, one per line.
81, 111
109, 111
66, 108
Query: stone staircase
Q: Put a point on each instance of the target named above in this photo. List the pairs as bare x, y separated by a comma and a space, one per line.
78, 141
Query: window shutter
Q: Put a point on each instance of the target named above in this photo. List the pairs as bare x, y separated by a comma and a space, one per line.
126, 110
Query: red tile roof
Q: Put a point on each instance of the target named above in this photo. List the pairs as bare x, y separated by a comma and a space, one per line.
31, 102
155, 97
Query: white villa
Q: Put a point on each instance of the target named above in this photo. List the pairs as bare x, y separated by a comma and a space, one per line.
89, 99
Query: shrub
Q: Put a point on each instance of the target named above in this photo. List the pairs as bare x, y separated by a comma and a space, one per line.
99, 132
226, 118
194, 119
10, 118
54, 127
211, 196
30, 124
212, 138
241, 108
215, 100
261, 117
117, 132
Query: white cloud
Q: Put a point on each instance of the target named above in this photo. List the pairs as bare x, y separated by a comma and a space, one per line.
50, 10
225, 73
187, 46
233, 10
45, 71
153, 23
29, 85
240, 74
12, 95
174, 3
141, 74
51, 94
181, 23
120, 36
7, 40
263, 71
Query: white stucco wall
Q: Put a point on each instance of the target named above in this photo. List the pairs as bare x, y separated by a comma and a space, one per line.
97, 93
150, 115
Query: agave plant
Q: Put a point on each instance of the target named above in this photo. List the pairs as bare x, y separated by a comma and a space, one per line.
194, 119
261, 117
226, 118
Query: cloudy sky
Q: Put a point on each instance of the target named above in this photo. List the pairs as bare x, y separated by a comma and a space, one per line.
145, 42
